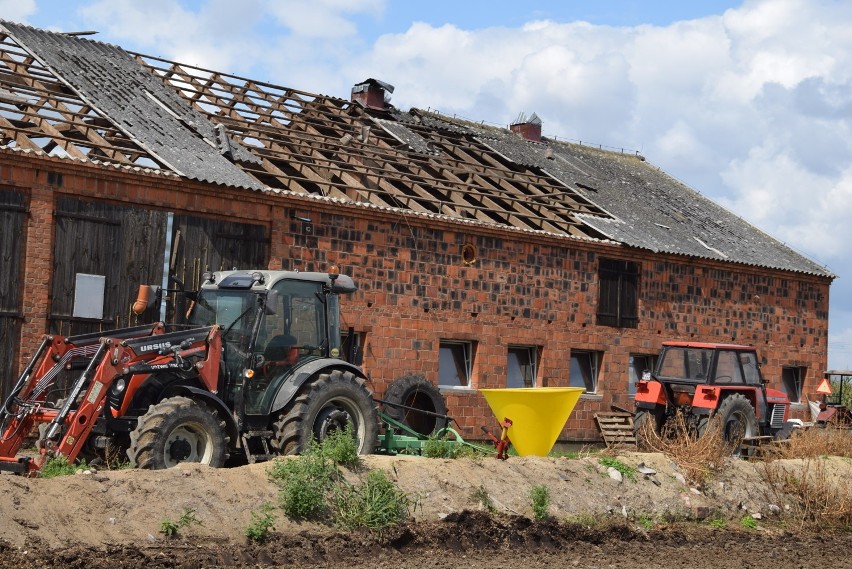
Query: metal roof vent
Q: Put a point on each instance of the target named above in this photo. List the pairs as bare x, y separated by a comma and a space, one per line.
528, 128
372, 93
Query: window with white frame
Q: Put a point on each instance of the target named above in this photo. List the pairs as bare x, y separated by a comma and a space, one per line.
793, 379
639, 364
521, 366
454, 364
584, 370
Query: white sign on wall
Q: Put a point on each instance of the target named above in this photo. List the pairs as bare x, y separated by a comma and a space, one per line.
89, 296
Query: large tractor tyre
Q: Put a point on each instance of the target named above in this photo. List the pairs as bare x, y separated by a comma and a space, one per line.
178, 430
647, 426
418, 393
324, 405
736, 420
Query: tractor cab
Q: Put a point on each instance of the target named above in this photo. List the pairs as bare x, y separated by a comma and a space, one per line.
272, 322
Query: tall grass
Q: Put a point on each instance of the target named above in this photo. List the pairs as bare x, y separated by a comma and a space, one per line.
816, 501
313, 488
697, 456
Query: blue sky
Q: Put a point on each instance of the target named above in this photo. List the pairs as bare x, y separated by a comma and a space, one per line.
748, 102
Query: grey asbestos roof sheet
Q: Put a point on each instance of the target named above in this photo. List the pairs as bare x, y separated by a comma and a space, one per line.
140, 104
651, 210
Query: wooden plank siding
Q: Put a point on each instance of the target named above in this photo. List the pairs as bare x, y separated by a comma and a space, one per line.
13, 212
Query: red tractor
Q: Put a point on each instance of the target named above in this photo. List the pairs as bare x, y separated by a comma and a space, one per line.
257, 371
711, 384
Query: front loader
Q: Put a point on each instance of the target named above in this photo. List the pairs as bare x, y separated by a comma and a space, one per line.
256, 373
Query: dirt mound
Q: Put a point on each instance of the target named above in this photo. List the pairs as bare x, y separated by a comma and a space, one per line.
113, 518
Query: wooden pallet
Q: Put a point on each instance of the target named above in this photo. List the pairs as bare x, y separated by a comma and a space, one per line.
616, 428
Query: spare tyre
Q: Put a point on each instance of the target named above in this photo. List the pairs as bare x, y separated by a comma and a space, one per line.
415, 402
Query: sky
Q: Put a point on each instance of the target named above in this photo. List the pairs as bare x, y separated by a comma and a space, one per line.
748, 102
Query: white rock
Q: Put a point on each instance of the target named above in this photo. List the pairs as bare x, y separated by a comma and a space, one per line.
614, 474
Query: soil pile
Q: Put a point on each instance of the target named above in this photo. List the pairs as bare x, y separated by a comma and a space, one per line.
113, 518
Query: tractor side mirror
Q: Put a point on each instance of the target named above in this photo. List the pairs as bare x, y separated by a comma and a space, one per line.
148, 296
270, 308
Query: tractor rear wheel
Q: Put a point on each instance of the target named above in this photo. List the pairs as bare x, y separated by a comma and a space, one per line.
418, 393
326, 404
178, 430
647, 424
737, 421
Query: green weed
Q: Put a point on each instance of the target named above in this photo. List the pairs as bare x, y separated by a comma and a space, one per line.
540, 497
717, 523
261, 523
481, 497
748, 522
170, 528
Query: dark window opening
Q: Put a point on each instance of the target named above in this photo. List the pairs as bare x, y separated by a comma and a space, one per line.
618, 304
793, 379
521, 366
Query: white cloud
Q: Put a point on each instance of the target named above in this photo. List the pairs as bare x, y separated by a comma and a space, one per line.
752, 107
17, 10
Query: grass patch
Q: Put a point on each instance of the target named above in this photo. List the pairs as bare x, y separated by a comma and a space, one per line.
540, 498
748, 522
375, 504
447, 448
60, 466
313, 488
626, 471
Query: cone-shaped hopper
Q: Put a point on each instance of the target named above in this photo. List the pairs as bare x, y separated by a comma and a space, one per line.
538, 414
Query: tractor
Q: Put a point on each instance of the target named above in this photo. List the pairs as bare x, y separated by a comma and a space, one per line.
710, 385
256, 372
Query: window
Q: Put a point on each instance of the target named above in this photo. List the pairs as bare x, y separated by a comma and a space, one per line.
584, 370
751, 370
618, 304
638, 365
793, 379
728, 368
454, 364
521, 366
352, 346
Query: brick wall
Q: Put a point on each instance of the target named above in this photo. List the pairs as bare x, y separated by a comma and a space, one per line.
415, 288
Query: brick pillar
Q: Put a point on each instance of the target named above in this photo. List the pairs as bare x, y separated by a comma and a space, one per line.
37, 270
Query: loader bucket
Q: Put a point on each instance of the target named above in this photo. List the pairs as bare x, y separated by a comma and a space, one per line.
538, 414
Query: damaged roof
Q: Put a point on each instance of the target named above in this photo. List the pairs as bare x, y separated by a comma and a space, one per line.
66, 95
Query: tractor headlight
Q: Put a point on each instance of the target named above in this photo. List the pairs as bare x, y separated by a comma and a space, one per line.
120, 384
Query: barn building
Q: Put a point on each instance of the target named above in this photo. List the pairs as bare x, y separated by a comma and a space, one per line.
485, 257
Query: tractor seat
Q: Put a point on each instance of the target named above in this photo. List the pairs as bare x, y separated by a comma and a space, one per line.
282, 349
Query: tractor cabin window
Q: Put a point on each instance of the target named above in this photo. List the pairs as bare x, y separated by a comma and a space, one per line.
584, 370
639, 364
455, 364
521, 366
618, 303
793, 379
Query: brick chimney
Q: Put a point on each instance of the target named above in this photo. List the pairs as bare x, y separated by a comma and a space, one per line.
529, 129
371, 93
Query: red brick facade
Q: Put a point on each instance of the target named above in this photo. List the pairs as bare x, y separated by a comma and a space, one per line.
416, 288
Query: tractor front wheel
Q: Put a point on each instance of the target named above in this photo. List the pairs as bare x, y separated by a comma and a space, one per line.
329, 403
737, 421
178, 430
